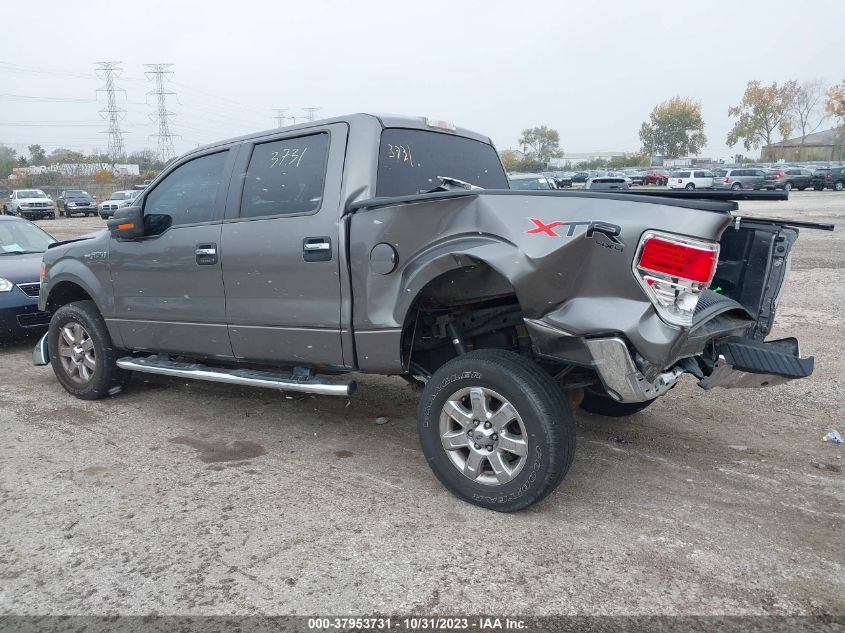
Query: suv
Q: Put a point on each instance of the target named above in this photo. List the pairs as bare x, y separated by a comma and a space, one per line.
32, 204
691, 179
736, 179
76, 201
457, 288
830, 178
788, 178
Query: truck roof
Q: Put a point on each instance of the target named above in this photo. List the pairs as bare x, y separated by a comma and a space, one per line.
385, 120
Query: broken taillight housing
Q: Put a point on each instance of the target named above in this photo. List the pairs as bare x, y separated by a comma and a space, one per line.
673, 270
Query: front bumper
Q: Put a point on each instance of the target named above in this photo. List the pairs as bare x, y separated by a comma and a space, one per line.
22, 319
38, 214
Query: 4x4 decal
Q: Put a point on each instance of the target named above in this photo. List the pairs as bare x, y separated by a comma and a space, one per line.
603, 233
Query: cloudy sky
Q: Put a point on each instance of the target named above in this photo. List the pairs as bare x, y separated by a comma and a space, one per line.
591, 70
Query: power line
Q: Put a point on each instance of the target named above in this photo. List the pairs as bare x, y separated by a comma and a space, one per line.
159, 73
108, 72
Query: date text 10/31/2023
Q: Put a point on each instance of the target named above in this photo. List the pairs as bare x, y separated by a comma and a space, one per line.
419, 623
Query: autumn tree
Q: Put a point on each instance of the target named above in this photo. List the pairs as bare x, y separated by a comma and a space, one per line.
806, 107
762, 111
543, 141
675, 128
835, 104
37, 155
510, 159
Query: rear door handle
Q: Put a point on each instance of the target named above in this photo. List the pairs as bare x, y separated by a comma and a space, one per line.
317, 249
206, 254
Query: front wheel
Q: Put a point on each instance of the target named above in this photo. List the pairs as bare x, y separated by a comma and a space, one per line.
839, 185
496, 430
81, 352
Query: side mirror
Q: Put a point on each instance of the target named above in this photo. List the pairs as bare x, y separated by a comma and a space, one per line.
127, 223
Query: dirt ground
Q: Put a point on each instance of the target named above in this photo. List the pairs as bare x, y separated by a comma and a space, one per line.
197, 498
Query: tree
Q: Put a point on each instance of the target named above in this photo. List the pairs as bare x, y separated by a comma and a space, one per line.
763, 110
37, 155
510, 159
805, 107
8, 161
543, 141
835, 105
675, 128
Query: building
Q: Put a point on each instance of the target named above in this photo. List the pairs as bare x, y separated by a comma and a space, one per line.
573, 159
820, 146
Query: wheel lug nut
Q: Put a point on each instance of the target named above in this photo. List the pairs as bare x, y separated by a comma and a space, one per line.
475, 422
477, 446
487, 425
494, 437
490, 448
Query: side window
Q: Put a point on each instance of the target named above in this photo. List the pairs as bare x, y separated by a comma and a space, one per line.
699, 174
286, 177
186, 196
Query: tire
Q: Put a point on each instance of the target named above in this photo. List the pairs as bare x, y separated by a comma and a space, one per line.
605, 405
540, 415
787, 187
838, 185
91, 352
736, 186
690, 186
817, 188
801, 188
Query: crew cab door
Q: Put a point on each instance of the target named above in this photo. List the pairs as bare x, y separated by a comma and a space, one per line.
280, 249
168, 284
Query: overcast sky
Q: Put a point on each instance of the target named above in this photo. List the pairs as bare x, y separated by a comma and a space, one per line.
593, 71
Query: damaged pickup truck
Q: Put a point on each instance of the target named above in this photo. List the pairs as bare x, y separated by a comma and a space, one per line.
393, 245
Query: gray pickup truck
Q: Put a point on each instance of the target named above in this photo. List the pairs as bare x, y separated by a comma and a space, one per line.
393, 245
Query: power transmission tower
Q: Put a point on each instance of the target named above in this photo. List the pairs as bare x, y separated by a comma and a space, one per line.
108, 72
280, 117
309, 113
159, 73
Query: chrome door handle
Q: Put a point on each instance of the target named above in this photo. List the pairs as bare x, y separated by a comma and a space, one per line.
317, 246
206, 251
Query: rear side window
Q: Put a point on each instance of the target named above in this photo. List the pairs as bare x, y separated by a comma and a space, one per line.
187, 195
701, 174
411, 160
286, 177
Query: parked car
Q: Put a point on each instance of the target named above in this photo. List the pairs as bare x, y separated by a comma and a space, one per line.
829, 178
738, 178
788, 178
563, 181
656, 177
73, 201
32, 204
22, 244
607, 182
691, 179
637, 177
529, 181
580, 177
493, 301
116, 201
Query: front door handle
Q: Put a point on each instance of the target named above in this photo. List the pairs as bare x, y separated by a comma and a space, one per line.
317, 249
206, 254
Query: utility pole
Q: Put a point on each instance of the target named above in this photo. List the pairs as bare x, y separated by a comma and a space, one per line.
108, 72
159, 73
309, 113
280, 117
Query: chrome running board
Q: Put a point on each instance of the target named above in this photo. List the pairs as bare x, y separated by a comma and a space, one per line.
303, 381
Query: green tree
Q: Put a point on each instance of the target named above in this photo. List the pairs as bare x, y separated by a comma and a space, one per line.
675, 128
763, 110
37, 155
544, 143
8, 161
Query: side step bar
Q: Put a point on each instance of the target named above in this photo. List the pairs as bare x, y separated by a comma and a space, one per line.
304, 382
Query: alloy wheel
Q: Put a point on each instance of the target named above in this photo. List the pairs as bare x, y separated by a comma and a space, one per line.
76, 352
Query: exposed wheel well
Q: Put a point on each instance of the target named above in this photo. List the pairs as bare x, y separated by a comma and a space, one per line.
469, 308
65, 292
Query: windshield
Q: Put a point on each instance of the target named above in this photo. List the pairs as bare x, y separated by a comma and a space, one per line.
121, 195
76, 194
530, 183
31, 193
410, 162
22, 237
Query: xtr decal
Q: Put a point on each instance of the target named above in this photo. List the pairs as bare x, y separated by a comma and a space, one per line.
602, 233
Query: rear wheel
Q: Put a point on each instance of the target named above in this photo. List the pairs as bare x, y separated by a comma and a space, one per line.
736, 186
690, 185
81, 352
496, 429
602, 404
787, 187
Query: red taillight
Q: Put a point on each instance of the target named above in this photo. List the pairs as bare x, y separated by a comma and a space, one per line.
727, 179
677, 259
779, 174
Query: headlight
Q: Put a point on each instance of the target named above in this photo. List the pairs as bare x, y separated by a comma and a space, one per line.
6, 285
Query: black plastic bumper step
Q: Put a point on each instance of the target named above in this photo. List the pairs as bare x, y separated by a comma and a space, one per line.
780, 357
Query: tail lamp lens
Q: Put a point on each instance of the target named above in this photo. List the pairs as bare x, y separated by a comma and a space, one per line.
673, 270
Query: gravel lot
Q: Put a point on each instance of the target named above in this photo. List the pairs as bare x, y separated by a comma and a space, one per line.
197, 498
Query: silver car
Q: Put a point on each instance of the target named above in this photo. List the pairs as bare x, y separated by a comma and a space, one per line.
741, 178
